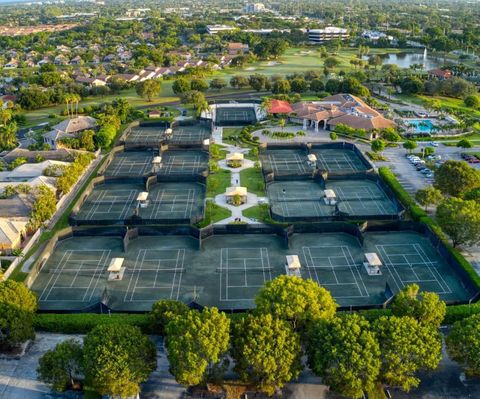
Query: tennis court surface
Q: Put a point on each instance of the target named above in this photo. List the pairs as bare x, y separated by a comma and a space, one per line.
229, 270
145, 135
285, 162
167, 202
234, 115
188, 135
335, 160
185, 163
304, 199
130, 164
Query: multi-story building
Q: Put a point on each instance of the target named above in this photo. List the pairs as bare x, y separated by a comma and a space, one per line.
326, 34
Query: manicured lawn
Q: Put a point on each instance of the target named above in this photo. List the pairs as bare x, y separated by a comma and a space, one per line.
218, 182
214, 213
229, 133
252, 178
217, 152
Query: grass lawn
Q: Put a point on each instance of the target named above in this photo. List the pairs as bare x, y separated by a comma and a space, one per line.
214, 213
218, 182
252, 178
229, 132
217, 152
260, 213
423, 100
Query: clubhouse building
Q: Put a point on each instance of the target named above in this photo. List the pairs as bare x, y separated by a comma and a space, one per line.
330, 111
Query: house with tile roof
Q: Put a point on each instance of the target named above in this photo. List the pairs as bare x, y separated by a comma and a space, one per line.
70, 127
12, 232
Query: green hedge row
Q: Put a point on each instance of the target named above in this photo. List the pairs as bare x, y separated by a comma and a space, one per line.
82, 323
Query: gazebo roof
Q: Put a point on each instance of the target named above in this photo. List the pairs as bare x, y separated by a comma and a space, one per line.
143, 196
293, 262
115, 265
235, 156
329, 193
373, 259
231, 191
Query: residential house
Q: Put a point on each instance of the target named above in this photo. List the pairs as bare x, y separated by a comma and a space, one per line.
440, 74
127, 77
235, 48
12, 233
91, 82
13, 63
68, 128
60, 60
76, 60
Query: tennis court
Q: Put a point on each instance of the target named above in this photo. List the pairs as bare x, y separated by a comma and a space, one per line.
130, 164
147, 135
285, 162
229, 270
178, 162
176, 202
234, 115
338, 160
304, 199
188, 134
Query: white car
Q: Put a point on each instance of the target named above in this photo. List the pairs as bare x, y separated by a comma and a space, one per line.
433, 144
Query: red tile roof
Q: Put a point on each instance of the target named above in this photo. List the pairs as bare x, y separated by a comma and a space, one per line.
279, 107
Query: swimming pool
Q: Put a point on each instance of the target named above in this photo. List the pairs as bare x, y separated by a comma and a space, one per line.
421, 125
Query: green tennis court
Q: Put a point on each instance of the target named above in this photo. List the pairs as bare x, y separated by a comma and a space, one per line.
130, 164
304, 199
176, 202
338, 160
180, 162
147, 135
188, 134
229, 270
285, 162
232, 115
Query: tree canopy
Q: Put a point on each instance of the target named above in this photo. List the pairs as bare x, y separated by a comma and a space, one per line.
17, 294
295, 299
117, 359
344, 352
196, 341
266, 350
455, 178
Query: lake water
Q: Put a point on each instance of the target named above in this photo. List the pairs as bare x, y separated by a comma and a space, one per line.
404, 60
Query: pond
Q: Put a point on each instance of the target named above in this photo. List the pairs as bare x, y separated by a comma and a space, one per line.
404, 60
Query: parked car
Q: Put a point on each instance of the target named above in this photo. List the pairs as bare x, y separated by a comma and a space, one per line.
429, 175
433, 144
474, 160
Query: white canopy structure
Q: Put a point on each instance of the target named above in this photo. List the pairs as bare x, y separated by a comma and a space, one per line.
372, 264
157, 160
115, 265
235, 156
232, 191
168, 132
293, 266
330, 197
142, 196
312, 158
206, 142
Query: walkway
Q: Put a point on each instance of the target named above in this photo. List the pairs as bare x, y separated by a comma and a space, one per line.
252, 199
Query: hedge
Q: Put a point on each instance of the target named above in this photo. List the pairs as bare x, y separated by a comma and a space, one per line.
82, 323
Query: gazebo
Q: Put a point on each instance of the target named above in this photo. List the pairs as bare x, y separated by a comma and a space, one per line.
116, 269
236, 192
169, 132
330, 197
372, 264
293, 266
235, 159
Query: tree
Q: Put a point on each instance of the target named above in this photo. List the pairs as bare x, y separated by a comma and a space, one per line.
428, 196
105, 136
282, 122
61, 366
406, 347
470, 195
344, 352
460, 220
199, 85
180, 86
117, 359
317, 86
333, 136
333, 86
86, 140
299, 85
331, 62
266, 351
195, 342
17, 294
463, 344
465, 143
411, 85
257, 81
390, 134
16, 326
456, 178
428, 151
8, 136
410, 145
149, 89
218, 84
378, 145
296, 300
425, 307
472, 101
164, 311
375, 61
238, 82
281, 86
